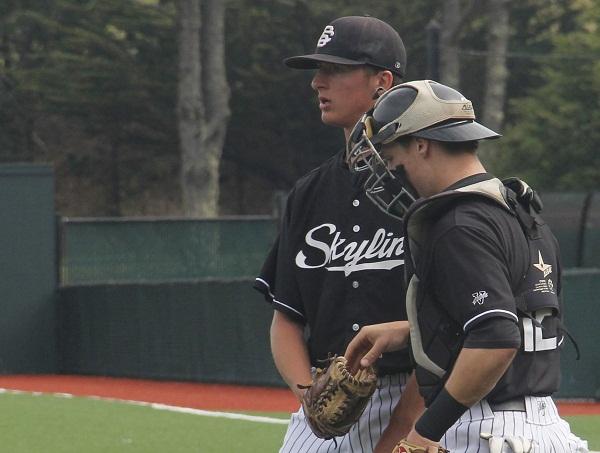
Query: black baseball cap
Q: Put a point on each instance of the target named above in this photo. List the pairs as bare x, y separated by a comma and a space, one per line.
356, 40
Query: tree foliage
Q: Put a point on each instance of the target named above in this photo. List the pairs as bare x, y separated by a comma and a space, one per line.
275, 134
90, 86
101, 70
553, 138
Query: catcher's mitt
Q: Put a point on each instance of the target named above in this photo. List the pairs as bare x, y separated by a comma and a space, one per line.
335, 399
406, 447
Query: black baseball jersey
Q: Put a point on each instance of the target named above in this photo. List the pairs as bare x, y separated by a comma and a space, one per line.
338, 263
476, 260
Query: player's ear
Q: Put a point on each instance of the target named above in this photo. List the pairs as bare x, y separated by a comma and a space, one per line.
423, 147
385, 80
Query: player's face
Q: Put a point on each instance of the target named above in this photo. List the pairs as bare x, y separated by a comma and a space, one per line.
410, 157
344, 93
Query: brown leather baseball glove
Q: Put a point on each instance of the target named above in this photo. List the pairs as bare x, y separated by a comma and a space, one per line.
406, 447
335, 399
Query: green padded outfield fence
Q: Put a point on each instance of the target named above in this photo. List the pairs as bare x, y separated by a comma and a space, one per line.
162, 249
209, 331
168, 249
217, 331
581, 378
171, 298
27, 269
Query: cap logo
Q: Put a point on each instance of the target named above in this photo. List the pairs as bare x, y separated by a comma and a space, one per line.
328, 32
397, 65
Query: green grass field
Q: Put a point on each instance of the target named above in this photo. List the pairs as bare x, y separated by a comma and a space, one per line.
50, 424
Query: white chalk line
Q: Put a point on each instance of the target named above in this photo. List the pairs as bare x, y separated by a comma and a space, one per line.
164, 407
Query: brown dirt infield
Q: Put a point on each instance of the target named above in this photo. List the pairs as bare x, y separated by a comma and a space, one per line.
184, 394
190, 394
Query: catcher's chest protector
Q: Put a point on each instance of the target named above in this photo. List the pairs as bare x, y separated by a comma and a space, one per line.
436, 339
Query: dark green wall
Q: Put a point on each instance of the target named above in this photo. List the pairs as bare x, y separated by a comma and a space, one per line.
27, 270
162, 249
210, 331
581, 378
217, 331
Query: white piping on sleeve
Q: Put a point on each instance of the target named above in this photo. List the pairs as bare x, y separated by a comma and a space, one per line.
288, 307
275, 301
271, 295
485, 313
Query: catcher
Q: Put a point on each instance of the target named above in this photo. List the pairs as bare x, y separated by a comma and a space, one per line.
484, 300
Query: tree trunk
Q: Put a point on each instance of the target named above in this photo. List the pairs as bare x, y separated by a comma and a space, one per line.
449, 58
203, 98
496, 71
216, 92
456, 14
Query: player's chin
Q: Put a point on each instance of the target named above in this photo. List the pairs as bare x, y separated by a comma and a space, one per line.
331, 119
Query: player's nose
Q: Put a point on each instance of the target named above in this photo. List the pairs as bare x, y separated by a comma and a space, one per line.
319, 80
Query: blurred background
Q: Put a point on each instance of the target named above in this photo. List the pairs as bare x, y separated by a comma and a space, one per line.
105, 90
146, 147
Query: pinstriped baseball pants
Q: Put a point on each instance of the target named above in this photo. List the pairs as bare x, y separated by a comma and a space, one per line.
363, 436
540, 423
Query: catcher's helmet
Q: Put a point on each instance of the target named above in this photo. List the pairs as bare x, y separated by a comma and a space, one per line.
424, 109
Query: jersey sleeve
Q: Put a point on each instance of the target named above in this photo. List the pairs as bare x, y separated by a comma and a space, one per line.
493, 333
265, 281
277, 279
472, 279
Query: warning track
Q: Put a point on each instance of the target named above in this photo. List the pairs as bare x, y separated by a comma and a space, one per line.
192, 394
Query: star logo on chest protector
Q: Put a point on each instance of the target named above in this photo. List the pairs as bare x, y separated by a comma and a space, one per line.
546, 269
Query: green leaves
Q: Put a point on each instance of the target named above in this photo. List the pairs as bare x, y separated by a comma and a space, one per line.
553, 135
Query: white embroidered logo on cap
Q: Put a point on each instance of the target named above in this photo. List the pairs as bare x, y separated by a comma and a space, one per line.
326, 36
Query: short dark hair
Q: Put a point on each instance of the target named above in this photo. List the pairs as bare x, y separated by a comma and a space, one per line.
461, 147
372, 70
404, 140
450, 147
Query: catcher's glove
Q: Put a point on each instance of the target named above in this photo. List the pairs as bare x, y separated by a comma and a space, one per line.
335, 399
406, 447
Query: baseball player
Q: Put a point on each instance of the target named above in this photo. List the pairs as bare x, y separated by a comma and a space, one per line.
338, 262
483, 300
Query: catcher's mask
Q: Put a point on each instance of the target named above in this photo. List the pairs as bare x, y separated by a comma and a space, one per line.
423, 109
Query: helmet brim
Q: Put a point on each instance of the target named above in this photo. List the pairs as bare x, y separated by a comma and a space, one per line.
458, 131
